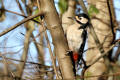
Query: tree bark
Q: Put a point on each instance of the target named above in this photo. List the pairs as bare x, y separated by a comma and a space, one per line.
58, 38
66, 22
101, 24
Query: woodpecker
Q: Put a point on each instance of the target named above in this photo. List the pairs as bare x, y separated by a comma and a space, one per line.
76, 36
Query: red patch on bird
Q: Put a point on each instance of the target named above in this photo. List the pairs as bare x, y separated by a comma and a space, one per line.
75, 56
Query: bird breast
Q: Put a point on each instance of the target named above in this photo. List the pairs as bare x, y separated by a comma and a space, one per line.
74, 37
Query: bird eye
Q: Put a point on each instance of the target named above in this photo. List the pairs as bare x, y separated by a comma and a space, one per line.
80, 18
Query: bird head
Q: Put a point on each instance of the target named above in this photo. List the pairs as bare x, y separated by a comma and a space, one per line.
81, 18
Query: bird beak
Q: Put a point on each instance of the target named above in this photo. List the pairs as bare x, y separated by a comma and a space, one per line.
72, 18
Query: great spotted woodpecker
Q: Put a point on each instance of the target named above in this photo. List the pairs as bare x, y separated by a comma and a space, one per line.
76, 36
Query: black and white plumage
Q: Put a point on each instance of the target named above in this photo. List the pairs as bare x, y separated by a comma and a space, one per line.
76, 36
76, 33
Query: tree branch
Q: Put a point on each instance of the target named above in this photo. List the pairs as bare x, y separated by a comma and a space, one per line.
58, 38
99, 46
25, 51
21, 22
105, 53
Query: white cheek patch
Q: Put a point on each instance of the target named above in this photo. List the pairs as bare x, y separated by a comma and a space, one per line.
82, 20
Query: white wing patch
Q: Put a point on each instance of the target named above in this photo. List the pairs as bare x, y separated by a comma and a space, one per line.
74, 37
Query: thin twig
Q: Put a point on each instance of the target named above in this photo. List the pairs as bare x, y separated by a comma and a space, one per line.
92, 31
105, 53
99, 46
51, 54
25, 51
52, 57
6, 65
21, 15
113, 74
21, 22
21, 61
111, 19
49, 47
12, 46
19, 5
